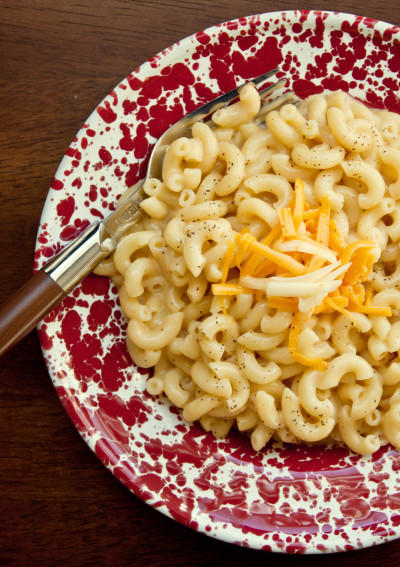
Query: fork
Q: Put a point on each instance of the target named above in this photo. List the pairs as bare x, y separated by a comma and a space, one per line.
57, 278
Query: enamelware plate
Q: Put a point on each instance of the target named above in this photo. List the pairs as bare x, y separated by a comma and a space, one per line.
291, 499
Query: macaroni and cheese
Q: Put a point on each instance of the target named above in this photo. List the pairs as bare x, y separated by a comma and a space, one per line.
263, 283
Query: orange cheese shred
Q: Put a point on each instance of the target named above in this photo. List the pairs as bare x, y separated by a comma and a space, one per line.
227, 260
355, 294
372, 309
243, 242
272, 235
316, 363
230, 289
299, 202
315, 263
283, 304
336, 240
351, 248
323, 222
286, 220
360, 267
266, 268
311, 227
324, 307
280, 258
251, 263
311, 215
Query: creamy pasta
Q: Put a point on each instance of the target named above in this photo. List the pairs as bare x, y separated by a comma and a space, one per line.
263, 283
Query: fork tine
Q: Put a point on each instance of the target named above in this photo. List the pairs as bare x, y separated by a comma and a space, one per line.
269, 102
266, 93
276, 103
262, 78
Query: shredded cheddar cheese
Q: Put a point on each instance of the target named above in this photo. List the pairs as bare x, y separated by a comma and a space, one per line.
336, 241
299, 203
316, 363
323, 223
230, 289
287, 224
283, 303
279, 258
372, 309
227, 260
303, 266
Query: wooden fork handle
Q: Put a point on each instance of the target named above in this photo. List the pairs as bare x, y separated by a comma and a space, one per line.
51, 284
22, 312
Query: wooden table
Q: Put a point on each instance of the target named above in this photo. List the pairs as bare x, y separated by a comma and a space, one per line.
58, 505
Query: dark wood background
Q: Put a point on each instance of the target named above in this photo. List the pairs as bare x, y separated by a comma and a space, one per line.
58, 505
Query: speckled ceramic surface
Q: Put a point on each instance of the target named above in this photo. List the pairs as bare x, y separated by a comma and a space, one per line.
286, 498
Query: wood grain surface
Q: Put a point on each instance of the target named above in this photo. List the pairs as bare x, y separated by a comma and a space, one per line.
58, 505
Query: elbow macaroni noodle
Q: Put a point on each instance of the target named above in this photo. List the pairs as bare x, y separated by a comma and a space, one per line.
263, 282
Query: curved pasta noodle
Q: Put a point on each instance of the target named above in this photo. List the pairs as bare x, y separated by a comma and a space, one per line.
128, 246
253, 207
268, 183
372, 179
253, 370
368, 399
209, 145
143, 357
299, 425
312, 346
346, 134
282, 165
210, 328
324, 185
370, 225
172, 387
282, 131
242, 111
318, 157
196, 236
254, 145
260, 436
240, 393
234, 173
149, 338
308, 394
212, 384
200, 406
344, 364
176, 176
277, 322
154, 207
138, 269
391, 422
349, 433
267, 411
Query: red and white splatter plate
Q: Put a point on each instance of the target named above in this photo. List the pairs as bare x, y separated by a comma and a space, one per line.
286, 498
